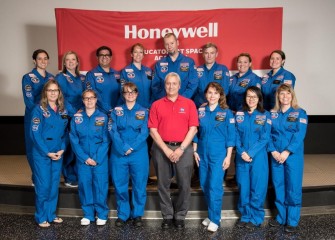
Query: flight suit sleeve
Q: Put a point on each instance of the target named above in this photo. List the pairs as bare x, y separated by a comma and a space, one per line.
102, 151
157, 86
231, 132
74, 140
120, 146
36, 131
28, 96
143, 133
262, 142
192, 79
298, 137
289, 78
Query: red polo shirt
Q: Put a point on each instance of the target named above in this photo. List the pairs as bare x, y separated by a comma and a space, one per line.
173, 119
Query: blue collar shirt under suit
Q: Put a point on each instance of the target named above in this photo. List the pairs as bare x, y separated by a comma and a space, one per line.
218, 73
252, 136
106, 85
143, 79
288, 133
271, 83
238, 86
72, 87
216, 134
184, 66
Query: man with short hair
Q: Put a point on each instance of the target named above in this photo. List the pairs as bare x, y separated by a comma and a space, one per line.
210, 71
104, 80
173, 122
178, 63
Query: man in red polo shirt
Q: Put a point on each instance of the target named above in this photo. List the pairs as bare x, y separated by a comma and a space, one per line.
173, 122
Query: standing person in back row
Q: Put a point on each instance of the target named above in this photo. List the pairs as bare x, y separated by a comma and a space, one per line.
173, 122
211, 71
104, 80
178, 63
32, 84
277, 76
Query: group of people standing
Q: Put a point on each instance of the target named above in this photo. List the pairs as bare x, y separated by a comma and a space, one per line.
95, 127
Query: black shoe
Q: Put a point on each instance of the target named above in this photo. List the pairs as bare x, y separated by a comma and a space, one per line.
250, 226
179, 224
166, 224
119, 222
138, 222
290, 229
274, 223
240, 224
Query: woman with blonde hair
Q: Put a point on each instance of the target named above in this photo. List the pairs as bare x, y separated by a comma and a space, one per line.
289, 126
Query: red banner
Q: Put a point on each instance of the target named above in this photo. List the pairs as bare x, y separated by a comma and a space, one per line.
256, 31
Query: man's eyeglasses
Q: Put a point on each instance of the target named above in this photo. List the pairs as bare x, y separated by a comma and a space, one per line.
104, 55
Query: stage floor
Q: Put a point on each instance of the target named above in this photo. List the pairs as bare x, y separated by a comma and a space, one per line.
319, 170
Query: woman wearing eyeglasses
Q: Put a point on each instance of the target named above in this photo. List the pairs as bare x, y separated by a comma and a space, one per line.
48, 125
104, 80
129, 156
253, 127
140, 75
32, 84
90, 142
72, 85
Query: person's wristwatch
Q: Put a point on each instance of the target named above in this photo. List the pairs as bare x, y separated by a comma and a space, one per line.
182, 148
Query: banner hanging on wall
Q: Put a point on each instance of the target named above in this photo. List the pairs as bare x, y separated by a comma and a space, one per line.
256, 31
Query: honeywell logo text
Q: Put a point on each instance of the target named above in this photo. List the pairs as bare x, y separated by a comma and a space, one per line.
134, 32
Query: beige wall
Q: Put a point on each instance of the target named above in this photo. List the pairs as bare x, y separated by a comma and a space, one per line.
308, 41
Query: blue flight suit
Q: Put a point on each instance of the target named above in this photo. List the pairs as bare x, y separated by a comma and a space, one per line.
48, 130
252, 136
271, 83
107, 87
129, 130
216, 133
89, 139
218, 73
238, 86
32, 85
185, 68
143, 79
287, 133
72, 87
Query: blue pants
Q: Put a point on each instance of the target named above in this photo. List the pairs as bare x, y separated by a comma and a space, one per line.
93, 190
47, 178
211, 176
69, 169
252, 181
135, 166
287, 182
